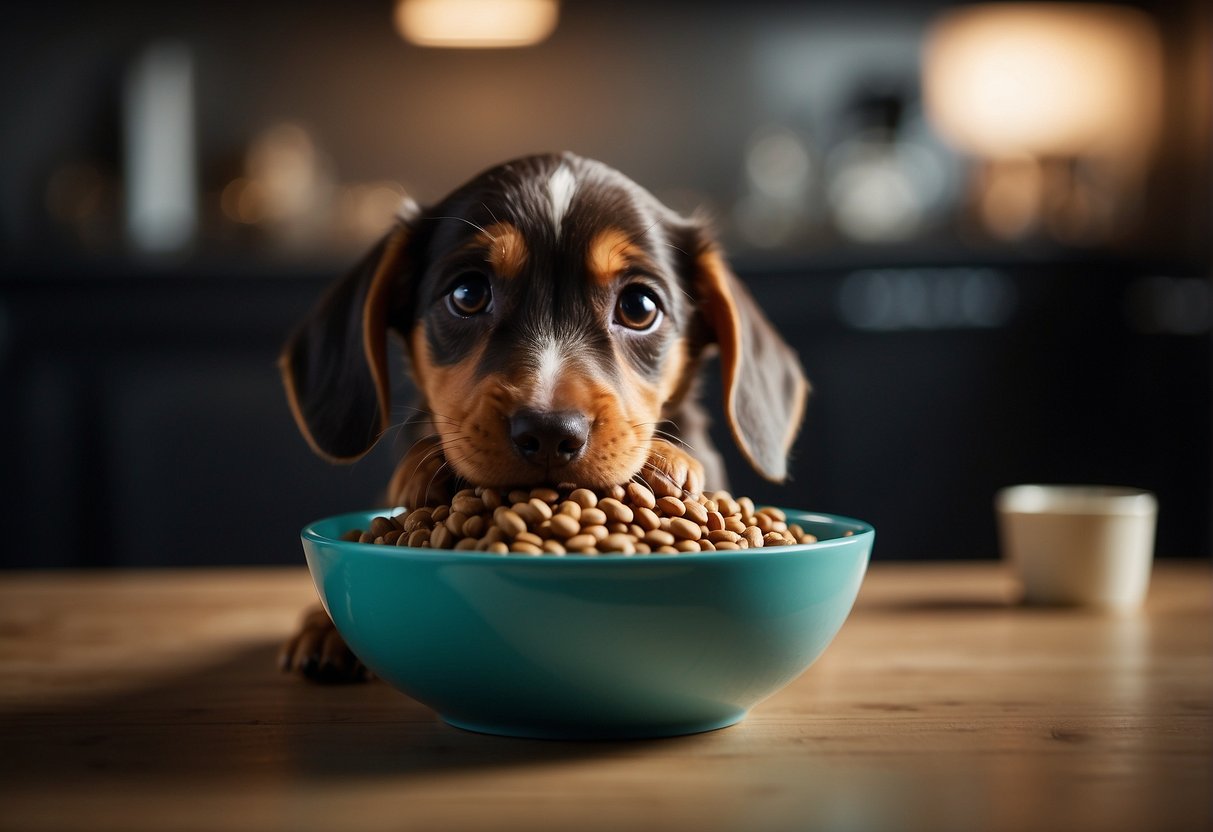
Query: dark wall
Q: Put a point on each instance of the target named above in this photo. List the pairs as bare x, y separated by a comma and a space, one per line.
915, 428
147, 425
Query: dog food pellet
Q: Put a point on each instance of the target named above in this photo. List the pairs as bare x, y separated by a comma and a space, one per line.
581, 541
627, 520
658, 537
564, 526
695, 512
584, 497
681, 527
614, 510
381, 526
671, 507
468, 504
509, 522
593, 517
640, 495
647, 519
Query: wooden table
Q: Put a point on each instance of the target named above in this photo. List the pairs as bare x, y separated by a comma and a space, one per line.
149, 700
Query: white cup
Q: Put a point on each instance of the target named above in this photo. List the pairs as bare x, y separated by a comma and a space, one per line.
1081, 545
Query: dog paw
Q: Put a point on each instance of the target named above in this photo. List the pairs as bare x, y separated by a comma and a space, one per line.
422, 478
318, 653
672, 472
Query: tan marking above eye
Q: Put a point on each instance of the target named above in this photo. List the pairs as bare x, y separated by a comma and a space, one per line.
610, 253
506, 250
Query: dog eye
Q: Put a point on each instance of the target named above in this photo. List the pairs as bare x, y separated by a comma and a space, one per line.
637, 308
471, 295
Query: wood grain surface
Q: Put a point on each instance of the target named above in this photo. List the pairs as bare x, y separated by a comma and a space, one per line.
150, 700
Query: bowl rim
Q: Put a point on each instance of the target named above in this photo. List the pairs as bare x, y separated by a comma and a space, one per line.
862, 531
1065, 498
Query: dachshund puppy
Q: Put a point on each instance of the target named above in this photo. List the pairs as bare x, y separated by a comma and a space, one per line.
554, 316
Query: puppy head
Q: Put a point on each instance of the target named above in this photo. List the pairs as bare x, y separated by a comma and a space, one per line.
554, 314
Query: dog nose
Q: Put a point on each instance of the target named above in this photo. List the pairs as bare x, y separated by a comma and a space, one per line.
547, 438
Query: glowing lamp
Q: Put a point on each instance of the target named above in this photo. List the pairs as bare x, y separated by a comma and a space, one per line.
476, 23
1045, 80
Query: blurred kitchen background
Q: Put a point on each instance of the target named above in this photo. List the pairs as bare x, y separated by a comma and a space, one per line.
986, 229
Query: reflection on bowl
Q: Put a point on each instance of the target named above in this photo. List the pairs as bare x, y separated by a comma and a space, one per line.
585, 646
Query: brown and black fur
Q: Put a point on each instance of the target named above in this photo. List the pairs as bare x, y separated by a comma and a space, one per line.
558, 241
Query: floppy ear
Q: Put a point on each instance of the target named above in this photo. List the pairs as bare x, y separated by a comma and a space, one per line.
334, 365
764, 386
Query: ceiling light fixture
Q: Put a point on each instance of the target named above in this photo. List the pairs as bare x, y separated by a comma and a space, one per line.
471, 24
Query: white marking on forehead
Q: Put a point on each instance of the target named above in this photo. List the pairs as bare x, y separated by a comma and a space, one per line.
551, 359
561, 187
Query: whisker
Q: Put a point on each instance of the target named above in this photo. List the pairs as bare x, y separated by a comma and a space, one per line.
425, 411
672, 438
439, 450
399, 427
669, 422
639, 480
622, 244
429, 437
434, 476
425, 495
659, 472
446, 463
469, 222
645, 232
666, 434
419, 417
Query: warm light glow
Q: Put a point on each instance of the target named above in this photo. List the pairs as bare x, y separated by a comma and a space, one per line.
1010, 197
283, 163
1044, 79
243, 201
476, 23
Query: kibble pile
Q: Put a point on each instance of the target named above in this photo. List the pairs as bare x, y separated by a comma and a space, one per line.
550, 521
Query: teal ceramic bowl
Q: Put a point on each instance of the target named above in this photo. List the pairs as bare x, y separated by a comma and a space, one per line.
580, 646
